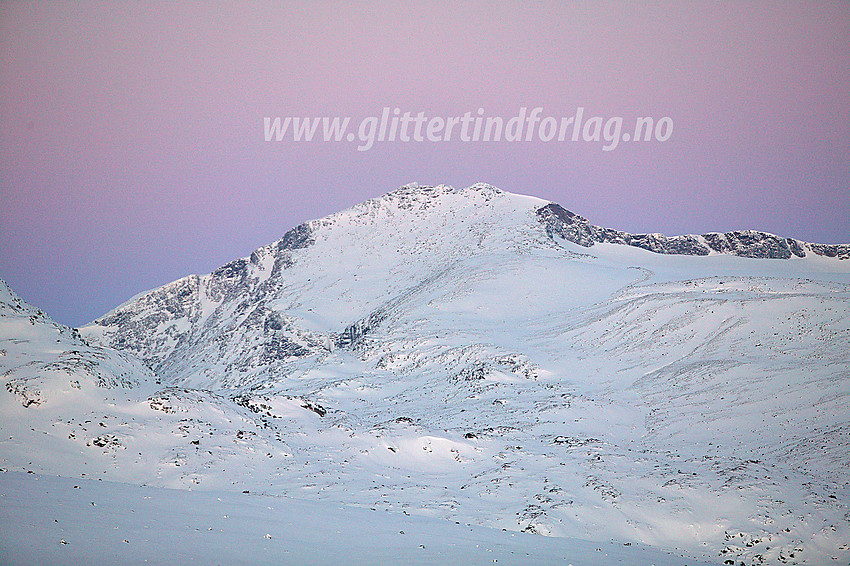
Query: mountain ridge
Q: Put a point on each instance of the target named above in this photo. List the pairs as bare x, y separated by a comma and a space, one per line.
743, 243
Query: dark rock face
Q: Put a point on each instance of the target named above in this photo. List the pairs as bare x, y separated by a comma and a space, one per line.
571, 227
474, 372
176, 300
747, 243
298, 238
28, 395
753, 244
273, 322
796, 248
574, 228
233, 270
841, 251
354, 334
282, 348
678, 245
315, 407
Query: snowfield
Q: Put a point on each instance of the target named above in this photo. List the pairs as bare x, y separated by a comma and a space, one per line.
63, 521
472, 366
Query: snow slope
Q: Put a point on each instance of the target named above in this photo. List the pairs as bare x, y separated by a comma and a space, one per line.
471, 355
72, 521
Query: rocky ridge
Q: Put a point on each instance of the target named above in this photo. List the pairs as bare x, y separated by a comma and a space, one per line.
742, 243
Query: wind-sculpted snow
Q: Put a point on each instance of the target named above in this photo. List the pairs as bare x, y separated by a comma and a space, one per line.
489, 359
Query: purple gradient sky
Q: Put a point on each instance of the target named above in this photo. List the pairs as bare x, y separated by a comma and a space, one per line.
131, 140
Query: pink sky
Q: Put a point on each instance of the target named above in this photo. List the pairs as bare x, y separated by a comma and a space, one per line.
132, 151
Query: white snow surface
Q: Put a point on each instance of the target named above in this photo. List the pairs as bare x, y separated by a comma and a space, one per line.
434, 354
72, 521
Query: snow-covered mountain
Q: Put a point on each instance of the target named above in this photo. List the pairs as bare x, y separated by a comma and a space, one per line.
488, 358
328, 282
47, 363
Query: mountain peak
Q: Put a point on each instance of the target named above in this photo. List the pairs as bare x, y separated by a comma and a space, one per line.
416, 189
418, 197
